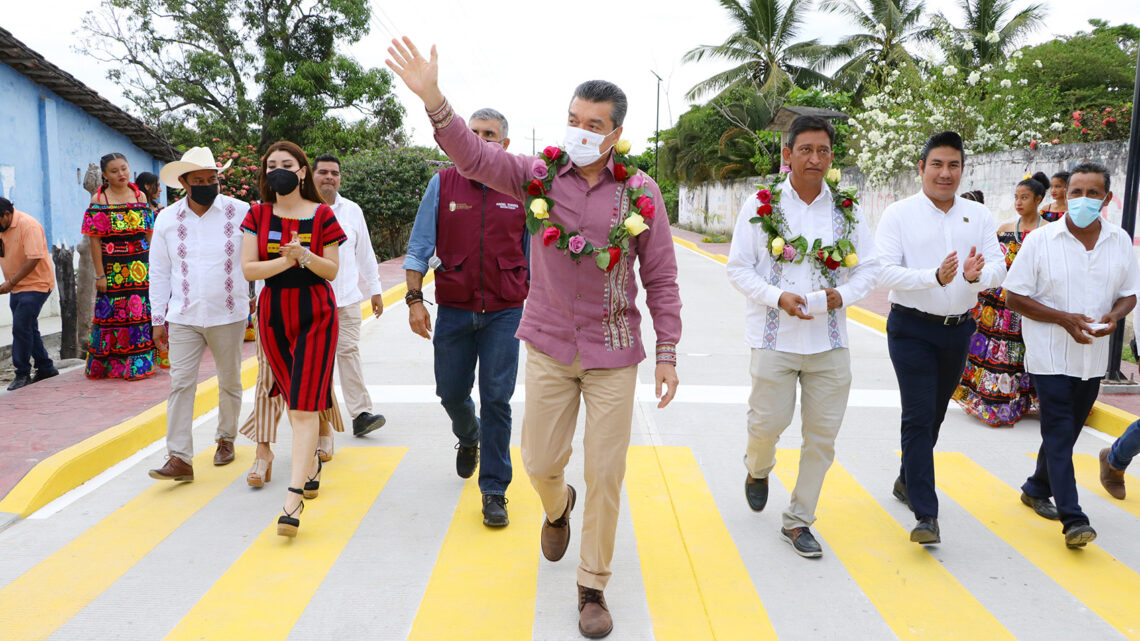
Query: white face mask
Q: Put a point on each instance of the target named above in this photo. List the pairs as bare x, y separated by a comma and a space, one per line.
583, 147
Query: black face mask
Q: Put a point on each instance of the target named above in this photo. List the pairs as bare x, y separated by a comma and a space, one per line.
282, 181
204, 195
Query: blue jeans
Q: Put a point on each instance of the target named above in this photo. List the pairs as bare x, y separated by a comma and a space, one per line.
27, 345
462, 340
1125, 447
1065, 404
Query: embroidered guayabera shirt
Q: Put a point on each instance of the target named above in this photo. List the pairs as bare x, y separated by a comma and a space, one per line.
751, 270
195, 265
573, 307
358, 277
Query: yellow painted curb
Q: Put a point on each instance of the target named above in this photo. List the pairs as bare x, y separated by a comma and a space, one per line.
69, 468
688, 244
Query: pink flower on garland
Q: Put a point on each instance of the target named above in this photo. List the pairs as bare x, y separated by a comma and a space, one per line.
645, 204
550, 235
636, 181
539, 169
576, 244
789, 252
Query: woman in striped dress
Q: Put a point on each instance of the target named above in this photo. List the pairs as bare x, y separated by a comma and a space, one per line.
291, 243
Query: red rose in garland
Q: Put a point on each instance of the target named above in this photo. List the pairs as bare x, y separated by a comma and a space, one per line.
535, 188
847, 202
764, 209
620, 172
645, 204
831, 263
615, 256
764, 196
550, 235
552, 153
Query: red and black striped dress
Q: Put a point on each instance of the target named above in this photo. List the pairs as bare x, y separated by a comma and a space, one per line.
296, 312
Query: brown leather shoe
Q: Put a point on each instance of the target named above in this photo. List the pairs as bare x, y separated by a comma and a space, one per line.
175, 469
1111, 478
224, 455
555, 537
594, 620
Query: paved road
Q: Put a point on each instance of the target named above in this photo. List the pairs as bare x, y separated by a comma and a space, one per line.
394, 547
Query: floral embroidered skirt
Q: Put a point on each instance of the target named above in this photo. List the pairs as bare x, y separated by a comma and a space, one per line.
121, 344
995, 388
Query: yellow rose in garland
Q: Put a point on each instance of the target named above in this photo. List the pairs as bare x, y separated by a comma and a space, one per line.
539, 208
635, 224
622, 146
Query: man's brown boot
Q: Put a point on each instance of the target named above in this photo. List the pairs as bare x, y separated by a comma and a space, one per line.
224, 455
1111, 478
555, 537
594, 620
175, 469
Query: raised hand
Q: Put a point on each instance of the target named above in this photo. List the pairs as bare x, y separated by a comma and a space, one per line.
419, 74
972, 267
948, 268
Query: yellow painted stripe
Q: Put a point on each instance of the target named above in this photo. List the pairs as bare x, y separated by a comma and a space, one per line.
265, 591
47, 596
1091, 575
485, 580
696, 584
688, 244
917, 597
1088, 475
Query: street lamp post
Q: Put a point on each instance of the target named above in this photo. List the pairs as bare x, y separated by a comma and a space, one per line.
1127, 221
657, 127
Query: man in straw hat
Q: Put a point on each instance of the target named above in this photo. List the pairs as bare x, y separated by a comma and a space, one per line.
196, 284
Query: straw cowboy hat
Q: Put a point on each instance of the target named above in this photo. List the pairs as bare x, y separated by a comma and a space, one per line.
195, 159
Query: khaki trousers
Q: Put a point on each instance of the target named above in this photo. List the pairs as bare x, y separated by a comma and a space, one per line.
825, 382
553, 390
187, 345
352, 386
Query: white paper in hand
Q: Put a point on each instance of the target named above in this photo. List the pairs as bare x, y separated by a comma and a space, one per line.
817, 302
1096, 327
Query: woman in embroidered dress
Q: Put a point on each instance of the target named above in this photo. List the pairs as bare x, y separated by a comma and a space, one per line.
1058, 190
122, 221
995, 387
291, 243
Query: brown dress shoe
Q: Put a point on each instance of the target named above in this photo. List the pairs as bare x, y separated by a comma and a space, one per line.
175, 469
594, 620
224, 455
555, 536
1111, 478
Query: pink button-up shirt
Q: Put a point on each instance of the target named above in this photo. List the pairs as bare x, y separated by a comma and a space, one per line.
574, 307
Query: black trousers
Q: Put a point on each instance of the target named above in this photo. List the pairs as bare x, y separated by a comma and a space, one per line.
928, 358
1065, 404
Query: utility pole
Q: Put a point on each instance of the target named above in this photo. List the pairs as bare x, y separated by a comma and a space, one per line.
532, 141
1128, 222
657, 127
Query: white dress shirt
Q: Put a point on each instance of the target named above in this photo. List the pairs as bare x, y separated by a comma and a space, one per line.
913, 239
1054, 269
358, 277
195, 265
751, 270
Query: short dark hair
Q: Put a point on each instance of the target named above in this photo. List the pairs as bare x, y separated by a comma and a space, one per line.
810, 123
1038, 183
975, 195
1063, 175
146, 178
944, 139
326, 158
1094, 168
6, 206
603, 91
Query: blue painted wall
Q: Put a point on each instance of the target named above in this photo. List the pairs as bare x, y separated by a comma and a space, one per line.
45, 146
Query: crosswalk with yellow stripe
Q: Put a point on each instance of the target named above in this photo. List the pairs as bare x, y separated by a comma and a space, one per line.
698, 573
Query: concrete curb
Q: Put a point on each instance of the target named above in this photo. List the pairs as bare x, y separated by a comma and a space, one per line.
71, 467
1106, 418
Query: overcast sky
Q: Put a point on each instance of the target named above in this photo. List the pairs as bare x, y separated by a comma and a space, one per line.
524, 57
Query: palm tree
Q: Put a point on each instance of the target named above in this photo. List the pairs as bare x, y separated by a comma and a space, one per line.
763, 45
887, 26
990, 35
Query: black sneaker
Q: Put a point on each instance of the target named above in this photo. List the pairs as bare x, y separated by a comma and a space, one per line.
41, 374
22, 380
366, 423
899, 492
756, 491
495, 510
466, 459
802, 542
1079, 535
926, 531
1043, 507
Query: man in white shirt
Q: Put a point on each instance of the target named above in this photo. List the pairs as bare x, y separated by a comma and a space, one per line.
1072, 283
357, 279
801, 253
936, 253
197, 285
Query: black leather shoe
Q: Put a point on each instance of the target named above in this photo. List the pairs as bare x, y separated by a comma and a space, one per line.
466, 459
802, 542
365, 423
1043, 507
756, 491
495, 510
926, 532
1079, 535
21, 381
899, 492
41, 374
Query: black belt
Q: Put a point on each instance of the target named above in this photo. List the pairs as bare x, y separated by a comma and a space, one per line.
952, 321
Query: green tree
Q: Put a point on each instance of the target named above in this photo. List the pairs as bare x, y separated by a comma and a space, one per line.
884, 30
245, 71
990, 33
768, 58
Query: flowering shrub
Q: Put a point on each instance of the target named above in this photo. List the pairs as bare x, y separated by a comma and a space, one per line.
1094, 125
240, 180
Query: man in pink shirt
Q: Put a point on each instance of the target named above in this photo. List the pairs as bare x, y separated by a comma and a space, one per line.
580, 325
